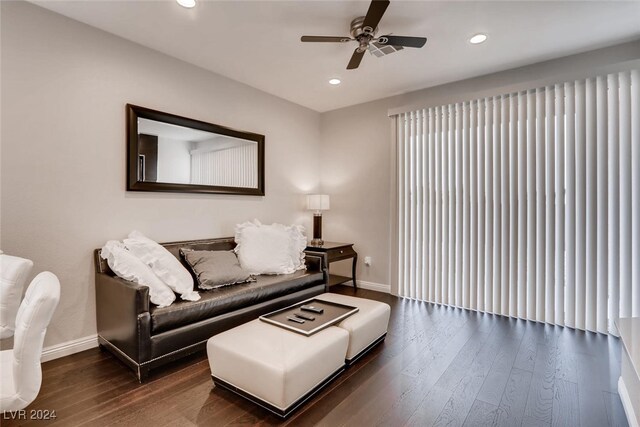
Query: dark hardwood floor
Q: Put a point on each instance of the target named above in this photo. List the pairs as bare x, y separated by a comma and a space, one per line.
438, 366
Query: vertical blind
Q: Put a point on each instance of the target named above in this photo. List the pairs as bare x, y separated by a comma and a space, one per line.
525, 204
231, 167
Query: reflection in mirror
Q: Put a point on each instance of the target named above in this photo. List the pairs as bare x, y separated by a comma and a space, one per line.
177, 154
180, 155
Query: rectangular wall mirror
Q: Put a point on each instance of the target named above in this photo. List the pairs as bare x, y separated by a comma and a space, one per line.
172, 153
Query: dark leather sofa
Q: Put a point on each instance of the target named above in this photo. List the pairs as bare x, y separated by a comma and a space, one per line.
145, 336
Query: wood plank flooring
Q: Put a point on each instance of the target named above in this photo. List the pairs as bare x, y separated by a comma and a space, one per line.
438, 366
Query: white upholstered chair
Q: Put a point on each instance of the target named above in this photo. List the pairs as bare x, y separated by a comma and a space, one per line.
20, 370
13, 273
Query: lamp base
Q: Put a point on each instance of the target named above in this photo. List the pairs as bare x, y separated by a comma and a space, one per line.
316, 242
317, 229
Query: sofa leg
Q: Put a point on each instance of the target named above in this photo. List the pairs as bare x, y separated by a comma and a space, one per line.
142, 373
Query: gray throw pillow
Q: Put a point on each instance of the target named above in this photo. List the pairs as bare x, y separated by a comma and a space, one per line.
215, 269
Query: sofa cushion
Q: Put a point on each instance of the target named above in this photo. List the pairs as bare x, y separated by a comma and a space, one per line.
215, 269
270, 249
129, 267
223, 300
163, 264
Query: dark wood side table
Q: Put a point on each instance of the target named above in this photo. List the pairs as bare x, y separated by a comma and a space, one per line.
333, 251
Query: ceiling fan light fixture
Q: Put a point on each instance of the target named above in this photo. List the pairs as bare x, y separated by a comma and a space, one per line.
187, 3
478, 38
335, 81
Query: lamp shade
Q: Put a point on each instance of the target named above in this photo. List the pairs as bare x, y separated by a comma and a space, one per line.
318, 202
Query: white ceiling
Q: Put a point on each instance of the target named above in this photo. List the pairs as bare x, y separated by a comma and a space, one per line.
257, 42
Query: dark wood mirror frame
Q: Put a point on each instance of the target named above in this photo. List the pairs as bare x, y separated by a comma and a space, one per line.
133, 184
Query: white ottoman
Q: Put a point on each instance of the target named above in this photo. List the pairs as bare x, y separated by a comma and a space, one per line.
366, 328
275, 368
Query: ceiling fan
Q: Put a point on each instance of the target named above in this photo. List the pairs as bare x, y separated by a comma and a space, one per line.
363, 31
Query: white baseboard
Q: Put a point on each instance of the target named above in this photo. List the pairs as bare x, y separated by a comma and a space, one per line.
379, 287
70, 347
626, 404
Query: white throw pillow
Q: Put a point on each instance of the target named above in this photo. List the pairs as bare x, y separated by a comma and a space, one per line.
298, 243
270, 249
163, 264
129, 267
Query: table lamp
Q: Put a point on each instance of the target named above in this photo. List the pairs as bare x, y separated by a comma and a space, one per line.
317, 203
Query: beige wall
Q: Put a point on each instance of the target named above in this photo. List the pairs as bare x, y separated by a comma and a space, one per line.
356, 173
358, 154
64, 90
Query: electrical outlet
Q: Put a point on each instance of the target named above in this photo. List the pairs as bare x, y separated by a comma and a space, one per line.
367, 260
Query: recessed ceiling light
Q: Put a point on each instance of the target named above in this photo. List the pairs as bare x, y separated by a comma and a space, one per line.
478, 38
187, 3
334, 81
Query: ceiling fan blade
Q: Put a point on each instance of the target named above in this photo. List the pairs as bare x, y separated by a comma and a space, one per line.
402, 41
324, 39
374, 14
356, 58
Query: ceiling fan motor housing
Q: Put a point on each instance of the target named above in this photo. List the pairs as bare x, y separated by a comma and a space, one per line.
363, 35
357, 29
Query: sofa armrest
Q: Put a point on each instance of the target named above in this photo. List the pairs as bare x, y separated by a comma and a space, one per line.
130, 296
122, 314
314, 262
318, 263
